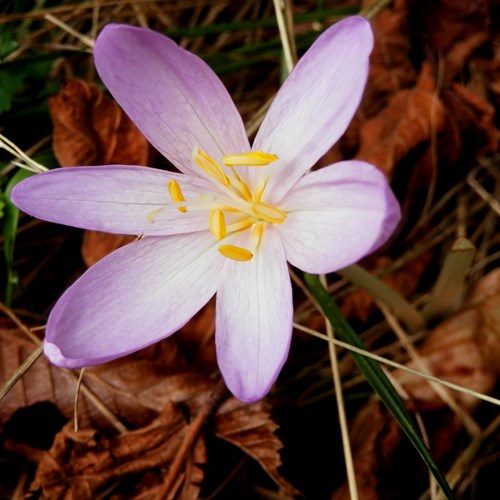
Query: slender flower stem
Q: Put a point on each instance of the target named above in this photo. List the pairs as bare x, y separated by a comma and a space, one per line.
349, 462
376, 377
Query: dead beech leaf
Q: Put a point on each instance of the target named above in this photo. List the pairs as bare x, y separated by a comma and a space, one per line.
447, 22
251, 428
97, 245
91, 129
409, 119
134, 388
82, 464
464, 349
390, 67
374, 438
470, 126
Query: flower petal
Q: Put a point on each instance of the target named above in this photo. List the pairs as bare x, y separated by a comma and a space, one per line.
134, 297
118, 199
174, 98
254, 319
316, 103
337, 215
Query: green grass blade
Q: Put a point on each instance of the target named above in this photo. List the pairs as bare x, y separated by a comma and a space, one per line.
375, 376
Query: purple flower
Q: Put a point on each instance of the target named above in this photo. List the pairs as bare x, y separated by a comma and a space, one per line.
230, 221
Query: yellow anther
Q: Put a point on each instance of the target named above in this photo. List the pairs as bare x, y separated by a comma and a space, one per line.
235, 253
252, 159
211, 167
217, 224
176, 194
268, 212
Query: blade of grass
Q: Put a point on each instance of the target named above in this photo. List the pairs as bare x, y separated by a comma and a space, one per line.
375, 377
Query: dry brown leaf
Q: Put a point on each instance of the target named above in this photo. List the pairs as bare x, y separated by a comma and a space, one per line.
409, 119
251, 428
390, 67
447, 22
135, 390
97, 245
464, 349
374, 438
82, 464
360, 304
90, 129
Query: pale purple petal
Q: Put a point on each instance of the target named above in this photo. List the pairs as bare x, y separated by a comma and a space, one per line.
118, 199
134, 297
316, 103
174, 98
337, 215
254, 320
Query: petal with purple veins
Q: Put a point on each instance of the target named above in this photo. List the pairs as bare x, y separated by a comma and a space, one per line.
338, 215
174, 98
119, 199
138, 295
316, 103
254, 319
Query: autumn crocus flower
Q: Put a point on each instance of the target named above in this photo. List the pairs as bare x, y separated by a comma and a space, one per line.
230, 221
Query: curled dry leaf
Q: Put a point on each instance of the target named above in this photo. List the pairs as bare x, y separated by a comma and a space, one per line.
390, 67
374, 438
82, 464
410, 118
251, 428
135, 390
447, 22
90, 129
464, 349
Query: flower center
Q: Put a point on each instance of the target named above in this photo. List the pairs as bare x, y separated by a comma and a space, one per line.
235, 207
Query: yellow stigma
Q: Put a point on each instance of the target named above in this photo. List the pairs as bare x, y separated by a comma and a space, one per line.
217, 224
268, 212
235, 253
176, 194
252, 159
211, 167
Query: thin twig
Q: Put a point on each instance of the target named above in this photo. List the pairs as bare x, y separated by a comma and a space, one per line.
22, 369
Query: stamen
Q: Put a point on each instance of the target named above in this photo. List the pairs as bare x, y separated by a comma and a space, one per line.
151, 215
217, 224
241, 187
268, 212
211, 167
257, 232
252, 159
235, 253
176, 194
240, 225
